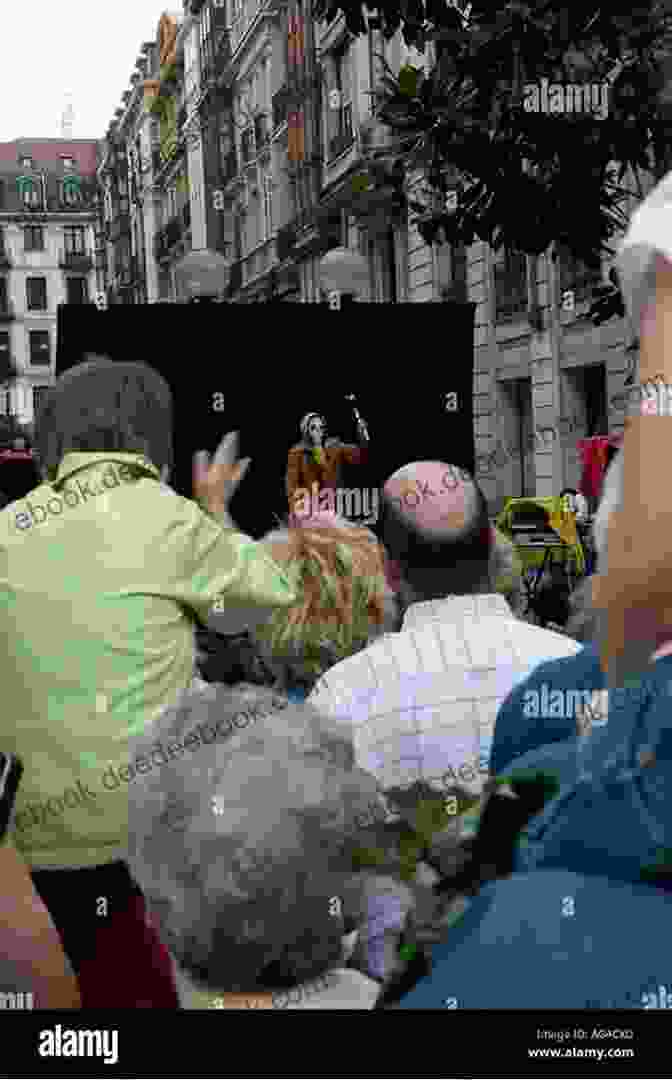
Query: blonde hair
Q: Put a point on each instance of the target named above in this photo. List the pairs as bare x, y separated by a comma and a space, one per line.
344, 600
506, 569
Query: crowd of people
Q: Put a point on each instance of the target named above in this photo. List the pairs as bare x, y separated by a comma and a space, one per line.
312, 770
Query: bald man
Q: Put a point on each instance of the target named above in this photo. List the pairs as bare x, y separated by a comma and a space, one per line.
422, 702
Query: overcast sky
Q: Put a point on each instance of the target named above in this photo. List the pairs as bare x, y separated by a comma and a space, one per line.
87, 47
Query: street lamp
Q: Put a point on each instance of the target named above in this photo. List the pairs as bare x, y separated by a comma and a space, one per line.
343, 272
203, 273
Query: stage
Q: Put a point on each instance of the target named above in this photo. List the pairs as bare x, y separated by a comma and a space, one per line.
260, 370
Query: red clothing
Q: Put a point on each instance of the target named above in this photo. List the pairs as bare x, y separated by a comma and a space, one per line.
115, 953
127, 943
594, 456
303, 471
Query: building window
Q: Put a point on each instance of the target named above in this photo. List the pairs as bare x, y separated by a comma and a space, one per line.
33, 238
71, 191
77, 290
268, 206
510, 271
3, 293
339, 100
574, 276
5, 366
29, 191
26, 163
74, 237
38, 396
260, 131
36, 293
247, 144
68, 163
40, 352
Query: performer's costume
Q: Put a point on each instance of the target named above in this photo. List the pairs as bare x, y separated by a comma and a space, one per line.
316, 469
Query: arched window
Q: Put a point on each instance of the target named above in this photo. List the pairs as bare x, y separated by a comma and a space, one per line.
28, 191
72, 192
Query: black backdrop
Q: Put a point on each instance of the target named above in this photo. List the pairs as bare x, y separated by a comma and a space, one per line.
275, 362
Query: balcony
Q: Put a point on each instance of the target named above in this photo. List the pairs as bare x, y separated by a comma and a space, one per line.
81, 261
7, 313
280, 106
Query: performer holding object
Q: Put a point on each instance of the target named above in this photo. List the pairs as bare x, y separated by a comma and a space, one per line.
314, 466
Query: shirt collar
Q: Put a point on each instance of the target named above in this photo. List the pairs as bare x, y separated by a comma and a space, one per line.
454, 608
76, 461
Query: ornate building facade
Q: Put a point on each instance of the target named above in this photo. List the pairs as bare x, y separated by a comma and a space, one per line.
48, 212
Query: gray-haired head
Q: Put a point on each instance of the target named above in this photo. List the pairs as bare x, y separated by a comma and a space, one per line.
103, 405
241, 846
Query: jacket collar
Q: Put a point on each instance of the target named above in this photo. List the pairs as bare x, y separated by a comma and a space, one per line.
455, 609
76, 461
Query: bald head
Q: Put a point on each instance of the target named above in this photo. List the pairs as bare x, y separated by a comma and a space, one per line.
437, 529
433, 499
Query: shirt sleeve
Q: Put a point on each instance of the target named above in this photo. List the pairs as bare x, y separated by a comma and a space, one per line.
335, 709
229, 580
292, 480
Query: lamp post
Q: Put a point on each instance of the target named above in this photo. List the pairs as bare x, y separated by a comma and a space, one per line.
343, 273
204, 274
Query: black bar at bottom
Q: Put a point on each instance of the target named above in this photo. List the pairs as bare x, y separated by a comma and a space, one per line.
449, 1044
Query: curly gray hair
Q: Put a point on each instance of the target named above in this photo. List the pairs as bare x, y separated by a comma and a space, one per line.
241, 850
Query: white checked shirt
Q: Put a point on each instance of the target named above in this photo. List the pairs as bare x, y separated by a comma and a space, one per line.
425, 700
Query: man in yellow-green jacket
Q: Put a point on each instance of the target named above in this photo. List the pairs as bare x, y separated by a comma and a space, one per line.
103, 572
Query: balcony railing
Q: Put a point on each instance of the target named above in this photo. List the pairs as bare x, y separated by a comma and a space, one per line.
82, 261
280, 106
7, 313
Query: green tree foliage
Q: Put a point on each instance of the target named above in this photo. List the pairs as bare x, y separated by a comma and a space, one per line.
525, 179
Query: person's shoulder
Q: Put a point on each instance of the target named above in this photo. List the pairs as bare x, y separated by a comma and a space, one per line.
581, 669
350, 679
541, 640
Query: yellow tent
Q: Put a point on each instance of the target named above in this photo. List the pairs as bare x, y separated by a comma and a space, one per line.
558, 519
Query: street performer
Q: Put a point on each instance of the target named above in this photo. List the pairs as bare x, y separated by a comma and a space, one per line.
314, 466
